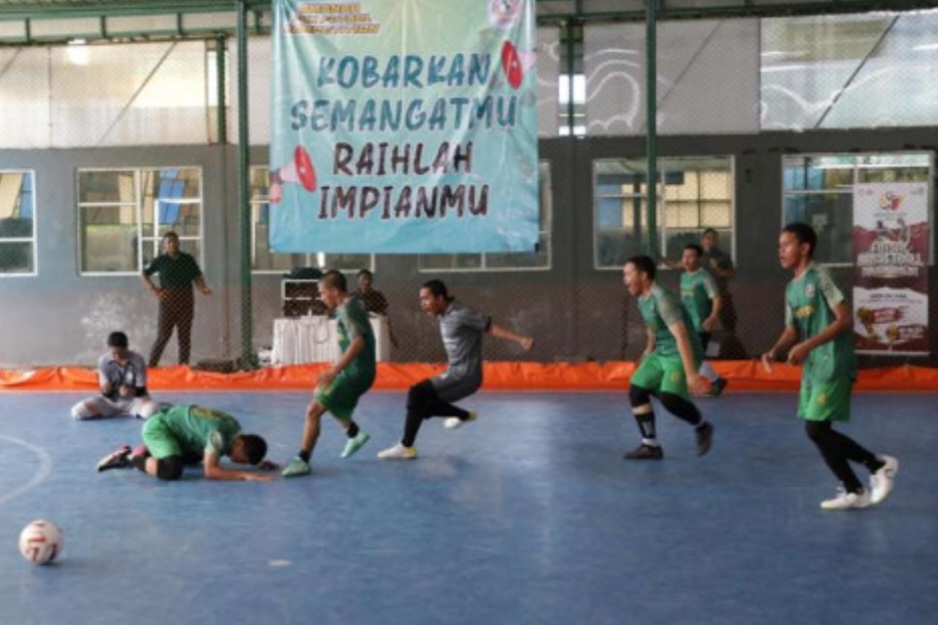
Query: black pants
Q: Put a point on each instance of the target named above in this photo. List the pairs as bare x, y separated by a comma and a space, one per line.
177, 309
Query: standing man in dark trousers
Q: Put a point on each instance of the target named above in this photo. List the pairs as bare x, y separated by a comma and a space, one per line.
178, 271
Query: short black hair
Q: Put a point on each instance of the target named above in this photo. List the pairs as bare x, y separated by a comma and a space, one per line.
334, 279
171, 235
643, 263
695, 247
710, 231
804, 233
255, 447
117, 339
366, 272
437, 288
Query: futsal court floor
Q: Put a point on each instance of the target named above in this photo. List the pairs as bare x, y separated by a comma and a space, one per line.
528, 516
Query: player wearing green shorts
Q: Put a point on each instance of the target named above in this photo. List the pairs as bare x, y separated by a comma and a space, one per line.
669, 364
186, 434
339, 388
702, 300
819, 334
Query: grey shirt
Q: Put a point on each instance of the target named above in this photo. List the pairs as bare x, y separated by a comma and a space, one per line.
461, 328
724, 262
133, 373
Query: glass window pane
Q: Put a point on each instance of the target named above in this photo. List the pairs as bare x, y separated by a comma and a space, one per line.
16, 257
442, 262
17, 227
259, 181
831, 216
348, 262
521, 260
183, 219
108, 238
106, 186
889, 174
193, 247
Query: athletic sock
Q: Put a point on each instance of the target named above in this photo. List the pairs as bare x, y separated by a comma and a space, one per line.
646, 424
304, 456
352, 430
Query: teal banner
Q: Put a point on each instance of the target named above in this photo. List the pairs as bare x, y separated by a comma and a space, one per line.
404, 126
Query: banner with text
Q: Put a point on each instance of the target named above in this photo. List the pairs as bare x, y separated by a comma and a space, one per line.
404, 126
891, 237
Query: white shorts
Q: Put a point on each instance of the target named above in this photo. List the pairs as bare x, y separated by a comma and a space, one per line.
100, 406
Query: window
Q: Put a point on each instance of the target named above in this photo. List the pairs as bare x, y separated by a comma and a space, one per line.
17, 223
694, 194
818, 190
538, 259
124, 213
265, 260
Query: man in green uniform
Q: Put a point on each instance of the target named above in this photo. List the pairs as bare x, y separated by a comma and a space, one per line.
703, 302
669, 363
185, 434
818, 333
340, 387
178, 271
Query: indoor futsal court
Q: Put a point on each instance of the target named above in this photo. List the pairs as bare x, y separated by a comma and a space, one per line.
543, 312
529, 515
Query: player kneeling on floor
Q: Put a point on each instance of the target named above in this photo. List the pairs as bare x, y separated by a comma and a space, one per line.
185, 435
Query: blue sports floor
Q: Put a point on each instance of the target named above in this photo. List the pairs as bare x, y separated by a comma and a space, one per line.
527, 517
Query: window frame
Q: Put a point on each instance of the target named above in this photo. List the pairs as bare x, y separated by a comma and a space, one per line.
544, 170
34, 239
142, 237
855, 157
255, 202
663, 205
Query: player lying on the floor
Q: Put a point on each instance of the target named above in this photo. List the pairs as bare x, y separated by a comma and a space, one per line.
187, 434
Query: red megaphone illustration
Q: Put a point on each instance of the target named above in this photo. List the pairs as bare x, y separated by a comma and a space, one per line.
300, 171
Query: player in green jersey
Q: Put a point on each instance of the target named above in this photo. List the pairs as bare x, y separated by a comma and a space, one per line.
701, 297
339, 388
818, 334
177, 436
669, 364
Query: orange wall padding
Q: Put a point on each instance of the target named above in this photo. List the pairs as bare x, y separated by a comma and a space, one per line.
499, 376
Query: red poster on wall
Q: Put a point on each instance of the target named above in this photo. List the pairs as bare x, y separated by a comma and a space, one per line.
891, 237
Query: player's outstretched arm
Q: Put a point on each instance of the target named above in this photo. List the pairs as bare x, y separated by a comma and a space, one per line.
214, 471
501, 332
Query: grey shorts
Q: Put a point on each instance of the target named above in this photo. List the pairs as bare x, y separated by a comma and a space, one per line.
452, 388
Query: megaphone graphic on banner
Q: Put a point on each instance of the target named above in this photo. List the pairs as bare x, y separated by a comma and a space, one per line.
516, 63
300, 171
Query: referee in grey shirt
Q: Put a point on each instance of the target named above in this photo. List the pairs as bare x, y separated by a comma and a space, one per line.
461, 328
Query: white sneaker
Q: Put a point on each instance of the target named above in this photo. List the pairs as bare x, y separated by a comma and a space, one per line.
847, 501
882, 481
455, 422
398, 452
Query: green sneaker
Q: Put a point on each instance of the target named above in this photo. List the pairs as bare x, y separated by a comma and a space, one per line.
354, 444
297, 467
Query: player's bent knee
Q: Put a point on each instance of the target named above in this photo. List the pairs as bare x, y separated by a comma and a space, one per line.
170, 468
80, 412
640, 398
817, 430
419, 395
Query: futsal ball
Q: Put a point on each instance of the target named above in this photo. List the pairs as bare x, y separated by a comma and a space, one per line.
41, 541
